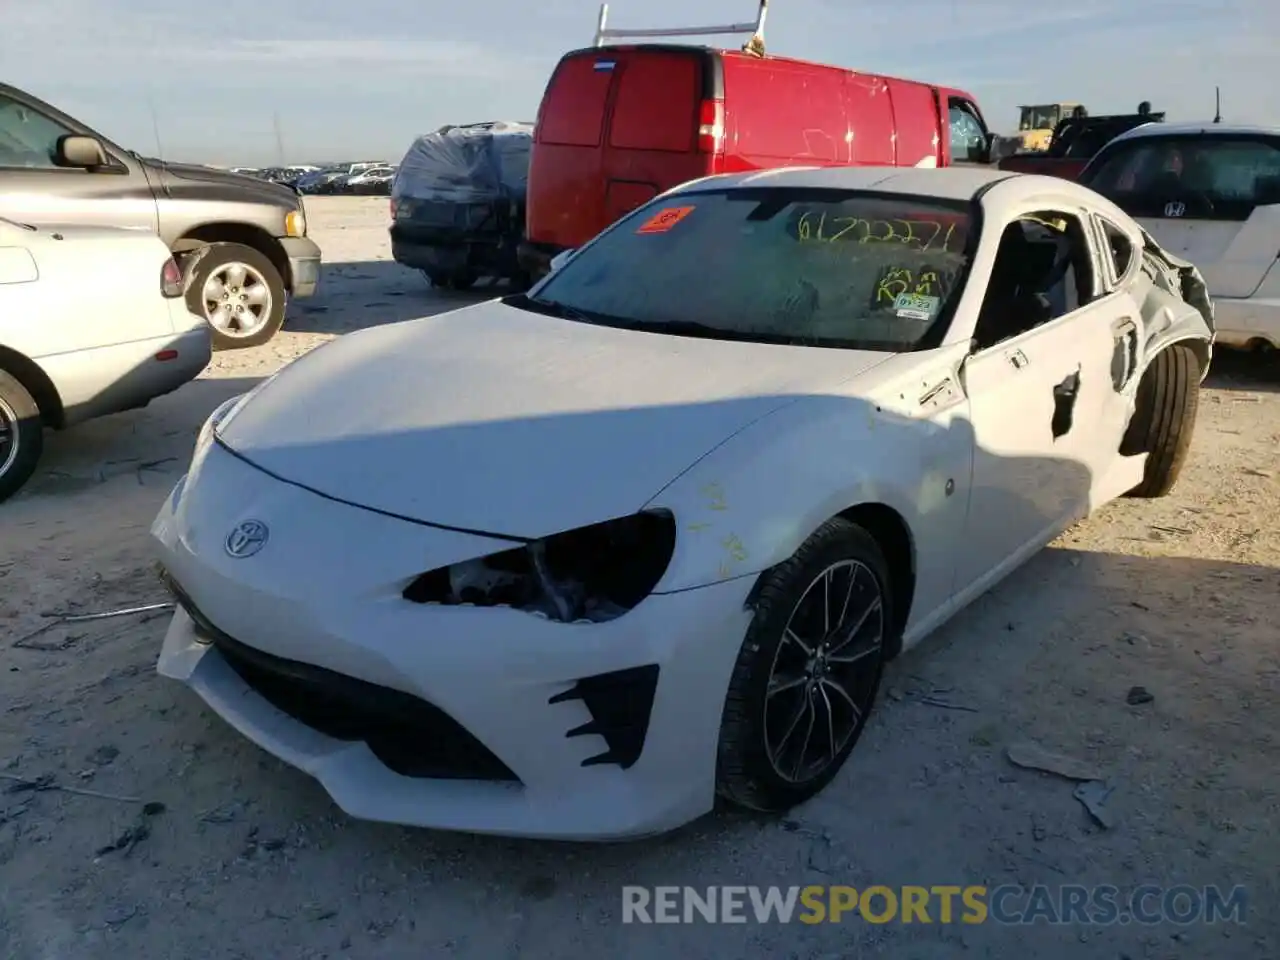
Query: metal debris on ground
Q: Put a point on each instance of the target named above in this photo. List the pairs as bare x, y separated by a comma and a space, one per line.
60, 619
945, 704
1094, 794
135, 834
1032, 756
123, 612
1137, 696
46, 782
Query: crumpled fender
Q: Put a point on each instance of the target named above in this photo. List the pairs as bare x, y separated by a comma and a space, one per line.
1176, 306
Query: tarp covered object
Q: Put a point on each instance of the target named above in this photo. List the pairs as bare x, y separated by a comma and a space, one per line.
478, 163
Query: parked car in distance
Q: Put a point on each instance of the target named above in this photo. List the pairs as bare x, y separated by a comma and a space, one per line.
233, 235
666, 517
619, 124
376, 181
1076, 140
314, 183
1210, 193
92, 322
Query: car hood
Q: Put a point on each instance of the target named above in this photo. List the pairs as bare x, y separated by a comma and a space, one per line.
497, 420
176, 175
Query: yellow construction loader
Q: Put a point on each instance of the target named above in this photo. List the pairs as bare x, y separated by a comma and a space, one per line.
1037, 123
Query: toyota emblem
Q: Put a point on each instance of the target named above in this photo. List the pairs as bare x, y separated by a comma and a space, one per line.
247, 538
1175, 209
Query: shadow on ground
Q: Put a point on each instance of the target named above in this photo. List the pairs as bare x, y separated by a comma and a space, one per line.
1244, 370
153, 443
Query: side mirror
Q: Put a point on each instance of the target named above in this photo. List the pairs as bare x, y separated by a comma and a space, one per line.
989, 144
87, 153
560, 259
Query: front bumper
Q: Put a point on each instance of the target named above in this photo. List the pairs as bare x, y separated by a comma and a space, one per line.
507, 724
304, 265
125, 376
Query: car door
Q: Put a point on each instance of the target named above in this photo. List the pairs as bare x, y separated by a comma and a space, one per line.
966, 134
1210, 198
1043, 410
34, 189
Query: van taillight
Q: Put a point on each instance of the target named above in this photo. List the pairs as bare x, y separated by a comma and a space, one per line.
171, 279
393, 209
711, 126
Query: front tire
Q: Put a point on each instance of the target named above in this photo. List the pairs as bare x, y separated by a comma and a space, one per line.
1164, 419
21, 435
808, 671
239, 292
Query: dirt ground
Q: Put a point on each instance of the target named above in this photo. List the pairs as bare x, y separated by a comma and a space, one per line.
248, 858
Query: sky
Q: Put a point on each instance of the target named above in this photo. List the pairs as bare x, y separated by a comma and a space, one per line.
359, 79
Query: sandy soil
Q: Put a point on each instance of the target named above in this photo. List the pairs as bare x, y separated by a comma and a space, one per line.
250, 859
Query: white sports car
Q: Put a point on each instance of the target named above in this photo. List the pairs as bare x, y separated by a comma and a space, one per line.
569, 564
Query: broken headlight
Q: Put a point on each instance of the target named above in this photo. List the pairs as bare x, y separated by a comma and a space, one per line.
588, 575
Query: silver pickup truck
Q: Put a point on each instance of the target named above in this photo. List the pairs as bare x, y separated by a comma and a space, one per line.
242, 243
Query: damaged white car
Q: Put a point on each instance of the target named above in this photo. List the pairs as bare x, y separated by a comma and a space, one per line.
572, 563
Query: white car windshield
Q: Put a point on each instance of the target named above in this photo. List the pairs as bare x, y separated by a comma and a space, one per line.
823, 268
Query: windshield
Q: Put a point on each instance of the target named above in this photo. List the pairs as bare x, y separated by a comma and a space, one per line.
772, 265
1040, 118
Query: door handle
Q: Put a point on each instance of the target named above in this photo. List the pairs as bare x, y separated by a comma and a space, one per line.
1017, 359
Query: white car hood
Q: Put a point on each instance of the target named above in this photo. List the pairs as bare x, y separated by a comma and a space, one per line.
498, 420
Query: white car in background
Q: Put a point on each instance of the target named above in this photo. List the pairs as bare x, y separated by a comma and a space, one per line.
1209, 193
92, 321
569, 564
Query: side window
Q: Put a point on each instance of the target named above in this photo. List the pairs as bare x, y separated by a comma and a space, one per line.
1043, 270
1117, 246
27, 139
572, 110
968, 135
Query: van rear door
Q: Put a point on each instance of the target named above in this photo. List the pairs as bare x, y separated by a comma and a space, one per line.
617, 126
565, 193
652, 142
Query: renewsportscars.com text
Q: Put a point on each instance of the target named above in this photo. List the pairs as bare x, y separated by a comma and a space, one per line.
1009, 904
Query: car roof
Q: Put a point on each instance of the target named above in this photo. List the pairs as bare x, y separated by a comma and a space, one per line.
962, 184
946, 183
1197, 128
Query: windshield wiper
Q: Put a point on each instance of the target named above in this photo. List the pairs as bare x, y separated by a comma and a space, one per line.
557, 309
20, 226
705, 331
565, 310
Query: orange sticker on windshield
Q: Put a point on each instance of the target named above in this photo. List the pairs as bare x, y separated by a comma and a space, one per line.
664, 220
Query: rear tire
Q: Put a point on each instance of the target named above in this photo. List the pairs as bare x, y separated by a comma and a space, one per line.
1164, 419
224, 262
21, 435
796, 656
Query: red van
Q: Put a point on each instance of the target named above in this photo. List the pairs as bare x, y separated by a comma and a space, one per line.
619, 124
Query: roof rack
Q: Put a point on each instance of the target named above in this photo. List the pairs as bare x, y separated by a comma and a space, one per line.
754, 30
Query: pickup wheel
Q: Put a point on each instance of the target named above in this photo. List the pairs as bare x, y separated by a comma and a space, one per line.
238, 291
1164, 419
21, 435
